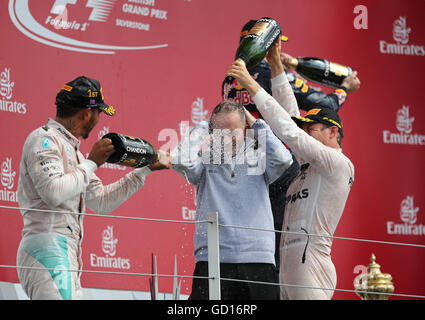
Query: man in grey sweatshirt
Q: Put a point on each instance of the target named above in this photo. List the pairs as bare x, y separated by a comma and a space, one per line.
231, 166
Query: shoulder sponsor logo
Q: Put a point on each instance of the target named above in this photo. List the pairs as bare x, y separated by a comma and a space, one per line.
298, 82
401, 38
45, 143
6, 93
404, 124
109, 248
342, 95
57, 26
8, 182
409, 217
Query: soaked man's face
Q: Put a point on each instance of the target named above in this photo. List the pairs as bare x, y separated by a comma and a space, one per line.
231, 127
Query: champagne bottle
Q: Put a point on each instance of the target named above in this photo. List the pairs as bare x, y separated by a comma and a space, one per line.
321, 71
254, 47
130, 151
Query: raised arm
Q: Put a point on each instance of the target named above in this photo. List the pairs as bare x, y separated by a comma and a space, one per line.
104, 199
277, 157
308, 97
304, 146
281, 88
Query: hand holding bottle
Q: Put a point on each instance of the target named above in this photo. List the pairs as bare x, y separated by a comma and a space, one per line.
274, 59
239, 71
286, 59
162, 161
254, 46
317, 70
130, 151
351, 83
101, 151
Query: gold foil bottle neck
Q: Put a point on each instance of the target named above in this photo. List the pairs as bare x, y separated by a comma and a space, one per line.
339, 70
292, 64
258, 28
241, 61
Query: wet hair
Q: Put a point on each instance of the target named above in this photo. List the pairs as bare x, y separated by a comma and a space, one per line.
227, 106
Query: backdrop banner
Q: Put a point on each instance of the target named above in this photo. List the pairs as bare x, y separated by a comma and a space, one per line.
161, 64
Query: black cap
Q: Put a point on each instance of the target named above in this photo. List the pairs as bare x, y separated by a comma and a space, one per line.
249, 25
84, 92
323, 115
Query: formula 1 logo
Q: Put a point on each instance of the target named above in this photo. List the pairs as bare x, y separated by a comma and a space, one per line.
100, 8
56, 26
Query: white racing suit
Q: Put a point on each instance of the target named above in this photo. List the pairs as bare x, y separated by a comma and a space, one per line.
55, 176
315, 199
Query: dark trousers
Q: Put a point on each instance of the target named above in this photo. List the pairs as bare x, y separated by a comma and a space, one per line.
235, 290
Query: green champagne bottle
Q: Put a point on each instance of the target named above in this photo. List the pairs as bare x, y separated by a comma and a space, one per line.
254, 47
321, 71
130, 151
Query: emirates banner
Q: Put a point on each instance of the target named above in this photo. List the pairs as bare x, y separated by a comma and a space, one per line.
161, 64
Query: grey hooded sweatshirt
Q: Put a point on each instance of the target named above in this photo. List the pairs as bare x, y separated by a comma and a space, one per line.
238, 191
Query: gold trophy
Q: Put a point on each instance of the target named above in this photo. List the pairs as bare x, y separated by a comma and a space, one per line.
374, 281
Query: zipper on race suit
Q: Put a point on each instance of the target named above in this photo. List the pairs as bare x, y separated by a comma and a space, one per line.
305, 248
